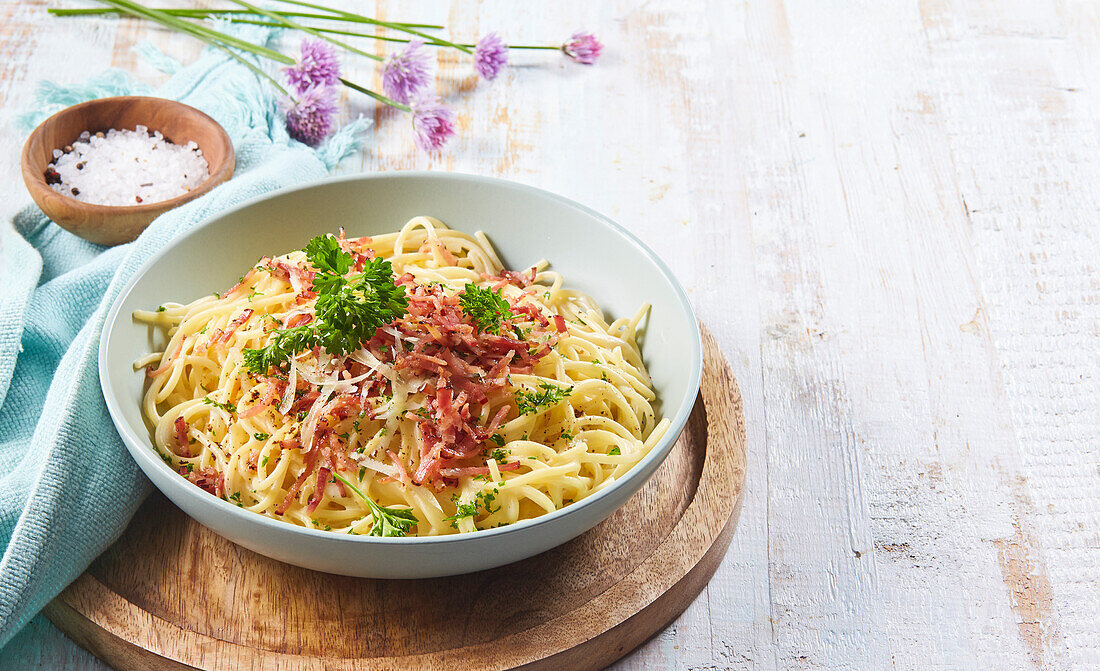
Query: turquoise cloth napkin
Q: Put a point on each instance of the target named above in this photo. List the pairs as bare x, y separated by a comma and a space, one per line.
67, 485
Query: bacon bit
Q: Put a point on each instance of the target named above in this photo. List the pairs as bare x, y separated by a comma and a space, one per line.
274, 392
253, 459
497, 420
214, 335
311, 463
354, 244
344, 406
181, 436
280, 271
241, 282
499, 371
402, 473
290, 444
233, 325
476, 470
521, 280
444, 252
208, 479
165, 364
559, 323
531, 311
299, 320
305, 401
292, 493
321, 435
323, 476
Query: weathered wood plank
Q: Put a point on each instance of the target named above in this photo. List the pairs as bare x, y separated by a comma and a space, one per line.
886, 213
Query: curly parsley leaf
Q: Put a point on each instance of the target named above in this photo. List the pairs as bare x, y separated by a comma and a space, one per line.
325, 254
547, 395
487, 308
350, 312
349, 309
387, 521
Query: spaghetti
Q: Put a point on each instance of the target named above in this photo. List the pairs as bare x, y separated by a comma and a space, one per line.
495, 397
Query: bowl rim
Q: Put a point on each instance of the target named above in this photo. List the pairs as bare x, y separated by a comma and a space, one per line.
213, 179
144, 452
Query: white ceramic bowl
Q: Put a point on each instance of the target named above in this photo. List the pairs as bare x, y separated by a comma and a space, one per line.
593, 253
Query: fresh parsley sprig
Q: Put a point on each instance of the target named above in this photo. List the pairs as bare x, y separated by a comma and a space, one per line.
530, 402
486, 307
348, 311
387, 521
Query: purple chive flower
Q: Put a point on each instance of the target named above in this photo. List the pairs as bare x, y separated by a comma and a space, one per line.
407, 72
583, 48
490, 56
317, 66
433, 123
310, 119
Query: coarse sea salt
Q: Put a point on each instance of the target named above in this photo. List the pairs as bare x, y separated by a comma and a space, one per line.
126, 167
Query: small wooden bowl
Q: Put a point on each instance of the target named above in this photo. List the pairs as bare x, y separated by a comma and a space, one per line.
108, 224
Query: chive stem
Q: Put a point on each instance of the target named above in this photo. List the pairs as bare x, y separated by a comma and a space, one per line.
206, 13
222, 40
305, 29
385, 24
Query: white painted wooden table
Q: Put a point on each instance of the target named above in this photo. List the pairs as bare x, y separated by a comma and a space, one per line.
889, 215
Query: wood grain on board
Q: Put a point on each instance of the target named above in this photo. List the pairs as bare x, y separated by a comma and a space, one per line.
172, 594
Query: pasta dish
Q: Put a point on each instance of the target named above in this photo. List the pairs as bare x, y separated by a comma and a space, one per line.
398, 385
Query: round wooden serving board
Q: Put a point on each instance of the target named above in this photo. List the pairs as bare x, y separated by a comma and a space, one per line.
171, 594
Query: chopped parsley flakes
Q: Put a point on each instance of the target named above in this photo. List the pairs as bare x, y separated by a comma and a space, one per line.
547, 395
486, 307
224, 406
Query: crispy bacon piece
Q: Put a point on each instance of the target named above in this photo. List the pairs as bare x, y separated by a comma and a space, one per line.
207, 479
311, 463
476, 470
181, 436
323, 476
165, 362
299, 320
445, 253
521, 280
304, 401
402, 473
271, 397
531, 311
233, 325
346, 406
240, 283
559, 323
497, 420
